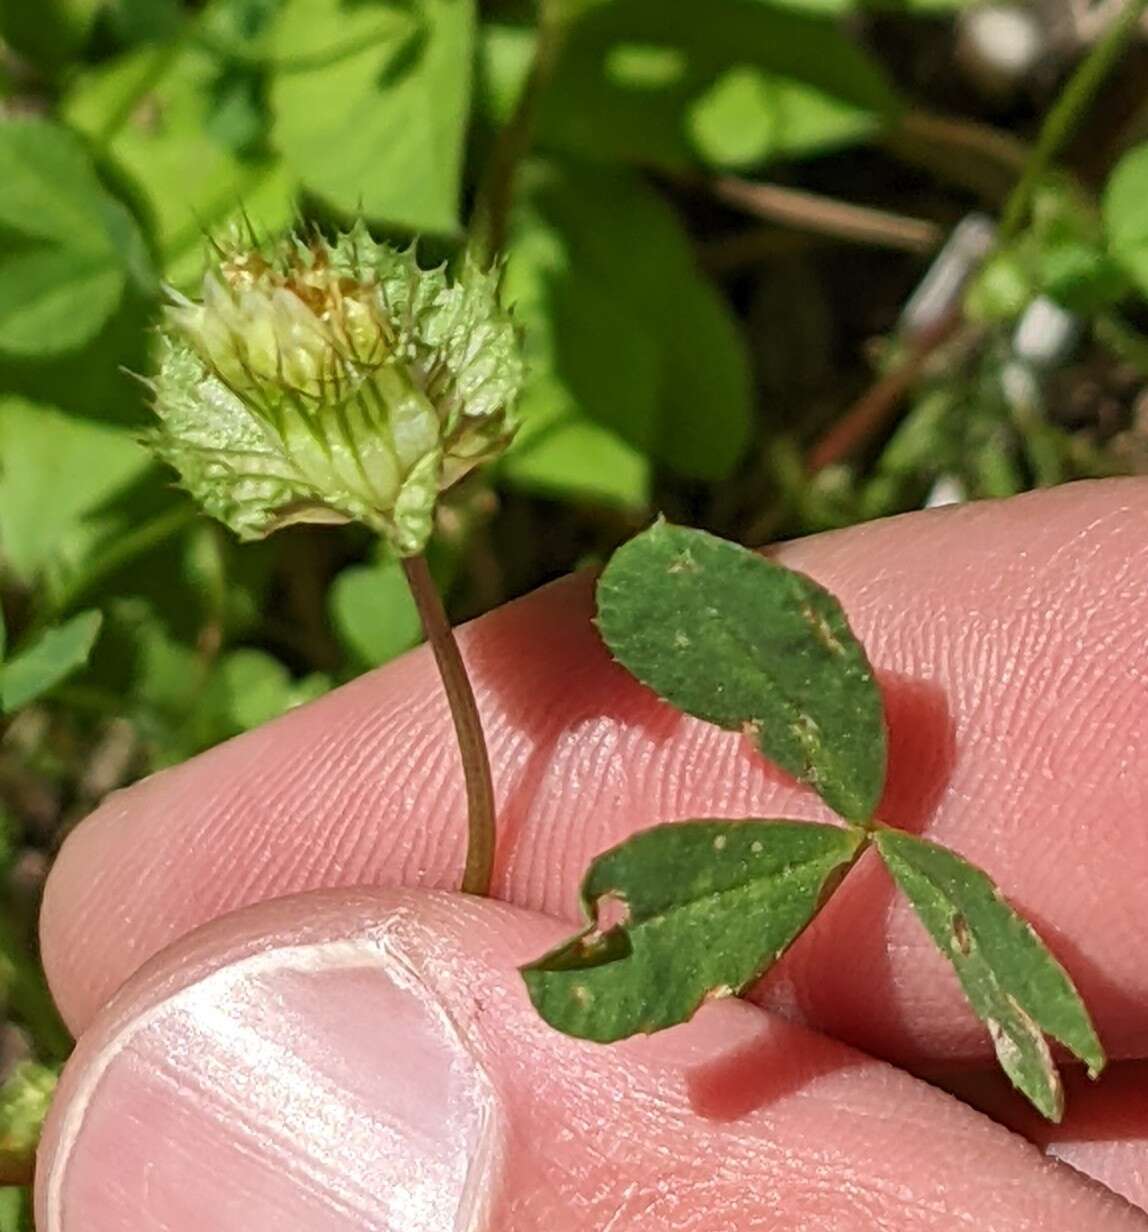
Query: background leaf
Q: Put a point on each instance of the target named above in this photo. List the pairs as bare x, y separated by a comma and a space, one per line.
51, 659
379, 129
645, 81
16, 1210
709, 906
24, 1098
189, 180
631, 353
89, 462
732, 638
67, 247
1125, 218
1014, 985
373, 612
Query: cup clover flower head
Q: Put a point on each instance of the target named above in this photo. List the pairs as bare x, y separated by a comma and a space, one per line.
333, 382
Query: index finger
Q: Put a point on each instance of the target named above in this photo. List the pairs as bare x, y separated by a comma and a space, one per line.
1009, 641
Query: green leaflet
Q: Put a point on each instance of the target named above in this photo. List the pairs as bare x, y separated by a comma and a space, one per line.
68, 250
16, 1210
1013, 983
646, 82
379, 126
729, 637
47, 662
597, 267
1124, 215
709, 906
24, 1099
91, 463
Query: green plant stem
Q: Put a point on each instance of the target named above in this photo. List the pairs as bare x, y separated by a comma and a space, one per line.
28, 997
335, 53
467, 726
876, 405
974, 156
1067, 112
126, 548
496, 191
1123, 340
162, 58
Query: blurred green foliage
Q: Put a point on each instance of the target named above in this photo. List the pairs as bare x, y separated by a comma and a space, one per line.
684, 354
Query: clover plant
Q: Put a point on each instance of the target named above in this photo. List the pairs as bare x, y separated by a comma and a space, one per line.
708, 906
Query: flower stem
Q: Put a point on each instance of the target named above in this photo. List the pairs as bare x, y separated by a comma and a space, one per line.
1068, 110
467, 726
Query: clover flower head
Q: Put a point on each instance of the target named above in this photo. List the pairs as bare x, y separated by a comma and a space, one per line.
316, 381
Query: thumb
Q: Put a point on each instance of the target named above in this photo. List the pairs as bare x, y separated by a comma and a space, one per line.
369, 1062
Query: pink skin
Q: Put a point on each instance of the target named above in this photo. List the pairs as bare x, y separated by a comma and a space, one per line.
369, 1062
1010, 641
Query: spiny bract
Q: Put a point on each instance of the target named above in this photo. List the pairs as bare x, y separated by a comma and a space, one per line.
333, 382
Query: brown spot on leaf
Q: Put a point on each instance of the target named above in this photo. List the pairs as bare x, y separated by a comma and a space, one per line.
962, 941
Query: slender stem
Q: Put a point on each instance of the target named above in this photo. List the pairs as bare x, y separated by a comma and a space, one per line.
152, 72
1068, 110
29, 1000
971, 155
467, 726
496, 191
127, 547
875, 407
1123, 340
795, 207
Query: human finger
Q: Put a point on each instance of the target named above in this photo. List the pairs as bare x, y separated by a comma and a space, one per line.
368, 1060
1009, 641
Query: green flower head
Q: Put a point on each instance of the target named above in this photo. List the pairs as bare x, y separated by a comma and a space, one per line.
334, 382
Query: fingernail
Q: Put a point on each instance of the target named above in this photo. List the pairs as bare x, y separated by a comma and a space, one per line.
306, 1089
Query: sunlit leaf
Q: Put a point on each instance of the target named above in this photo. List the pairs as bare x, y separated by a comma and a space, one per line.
706, 907
632, 355
647, 81
1013, 983
25, 1096
729, 637
190, 181
1125, 218
89, 462
68, 249
378, 128
51, 659
373, 612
